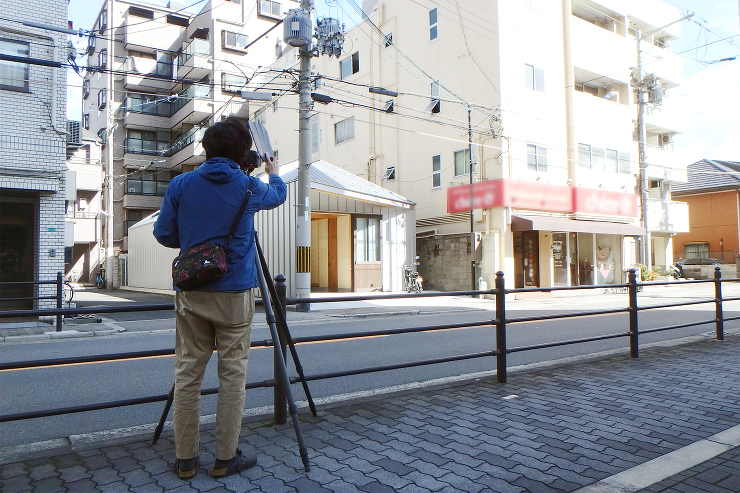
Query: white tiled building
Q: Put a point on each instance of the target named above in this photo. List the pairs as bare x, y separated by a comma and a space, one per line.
32, 149
553, 118
165, 75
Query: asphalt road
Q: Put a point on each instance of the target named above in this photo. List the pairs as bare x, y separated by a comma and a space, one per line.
45, 388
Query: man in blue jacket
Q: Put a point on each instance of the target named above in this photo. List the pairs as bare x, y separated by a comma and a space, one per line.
200, 207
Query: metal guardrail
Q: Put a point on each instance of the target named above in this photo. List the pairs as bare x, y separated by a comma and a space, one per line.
58, 297
501, 323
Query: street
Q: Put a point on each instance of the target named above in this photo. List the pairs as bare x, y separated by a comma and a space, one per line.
72, 385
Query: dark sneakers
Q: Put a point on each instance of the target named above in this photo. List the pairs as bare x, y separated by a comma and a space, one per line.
235, 465
185, 468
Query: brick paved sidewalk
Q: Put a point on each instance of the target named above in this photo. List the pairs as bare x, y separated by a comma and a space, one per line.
551, 429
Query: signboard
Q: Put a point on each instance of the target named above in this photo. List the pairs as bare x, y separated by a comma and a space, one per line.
540, 197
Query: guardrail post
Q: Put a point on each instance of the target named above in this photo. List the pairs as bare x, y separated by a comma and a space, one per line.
719, 319
500, 328
60, 289
632, 289
280, 399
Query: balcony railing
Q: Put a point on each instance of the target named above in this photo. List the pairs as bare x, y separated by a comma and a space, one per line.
195, 134
146, 187
192, 92
139, 146
159, 107
196, 47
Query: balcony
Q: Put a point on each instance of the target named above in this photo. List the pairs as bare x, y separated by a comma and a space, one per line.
87, 226
150, 202
668, 216
192, 106
193, 62
150, 147
600, 51
88, 176
665, 65
663, 164
187, 148
148, 75
147, 41
596, 117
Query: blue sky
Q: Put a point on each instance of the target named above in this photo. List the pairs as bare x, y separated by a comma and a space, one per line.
706, 105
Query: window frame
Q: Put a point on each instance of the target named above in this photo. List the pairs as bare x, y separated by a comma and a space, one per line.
437, 171
534, 78
272, 5
24, 86
228, 87
433, 26
86, 121
368, 239
353, 62
226, 45
345, 123
85, 88
540, 154
468, 164
102, 98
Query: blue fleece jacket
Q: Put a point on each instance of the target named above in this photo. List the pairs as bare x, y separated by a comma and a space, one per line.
201, 205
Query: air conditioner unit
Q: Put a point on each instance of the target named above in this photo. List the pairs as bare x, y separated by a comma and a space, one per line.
666, 139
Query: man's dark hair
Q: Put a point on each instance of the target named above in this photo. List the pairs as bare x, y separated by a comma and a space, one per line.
229, 138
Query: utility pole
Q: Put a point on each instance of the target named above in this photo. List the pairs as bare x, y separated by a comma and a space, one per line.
109, 163
640, 85
472, 210
303, 220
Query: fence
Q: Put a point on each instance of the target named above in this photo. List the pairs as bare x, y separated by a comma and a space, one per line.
500, 352
58, 297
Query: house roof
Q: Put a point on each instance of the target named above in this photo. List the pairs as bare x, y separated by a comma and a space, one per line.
710, 175
328, 178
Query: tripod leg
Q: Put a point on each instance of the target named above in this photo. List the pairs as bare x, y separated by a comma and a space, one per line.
165, 412
283, 324
281, 366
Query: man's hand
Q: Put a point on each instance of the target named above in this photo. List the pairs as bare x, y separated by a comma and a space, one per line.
271, 165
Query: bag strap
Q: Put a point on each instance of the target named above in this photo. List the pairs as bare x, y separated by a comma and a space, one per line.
238, 218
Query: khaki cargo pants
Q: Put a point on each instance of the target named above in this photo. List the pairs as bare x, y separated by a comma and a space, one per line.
208, 320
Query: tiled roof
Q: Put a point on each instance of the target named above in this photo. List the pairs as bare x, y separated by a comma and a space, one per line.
706, 175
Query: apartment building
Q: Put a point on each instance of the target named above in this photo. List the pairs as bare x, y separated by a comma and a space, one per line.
32, 151
158, 77
544, 95
83, 217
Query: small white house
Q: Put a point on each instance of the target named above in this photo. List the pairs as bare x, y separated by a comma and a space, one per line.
361, 236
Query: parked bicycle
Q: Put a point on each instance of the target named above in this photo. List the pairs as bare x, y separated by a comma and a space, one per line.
68, 292
412, 281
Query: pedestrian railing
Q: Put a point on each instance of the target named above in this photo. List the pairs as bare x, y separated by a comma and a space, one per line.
499, 351
61, 284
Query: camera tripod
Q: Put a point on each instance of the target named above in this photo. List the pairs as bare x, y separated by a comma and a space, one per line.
269, 298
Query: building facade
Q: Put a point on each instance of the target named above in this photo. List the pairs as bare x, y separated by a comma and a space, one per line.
84, 219
32, 151
540, 99
157, 77
713, 197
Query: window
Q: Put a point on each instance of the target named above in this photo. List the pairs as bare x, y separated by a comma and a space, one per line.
588, 89
536, 158
462, 162
435, 106
367, 232
344, 130
390, 173
134, 216
85, 88
584, 155
102, 99
388, 40
436, 171
261, 117
233, 41
149, 104
103, 58
611, 163
433, 33
86, 121
268, 7
623, 165
350, 65
103, 20
13, 75
232, 83
274, 105
148, 183
147, 141
534, 78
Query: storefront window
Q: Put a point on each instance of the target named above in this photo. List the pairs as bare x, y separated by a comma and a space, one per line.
560, 258
585, 259
607, 259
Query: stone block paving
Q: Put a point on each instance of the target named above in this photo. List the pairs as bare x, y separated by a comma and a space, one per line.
549, 430
718, 475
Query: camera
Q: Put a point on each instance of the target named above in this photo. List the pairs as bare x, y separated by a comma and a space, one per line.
251, 161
